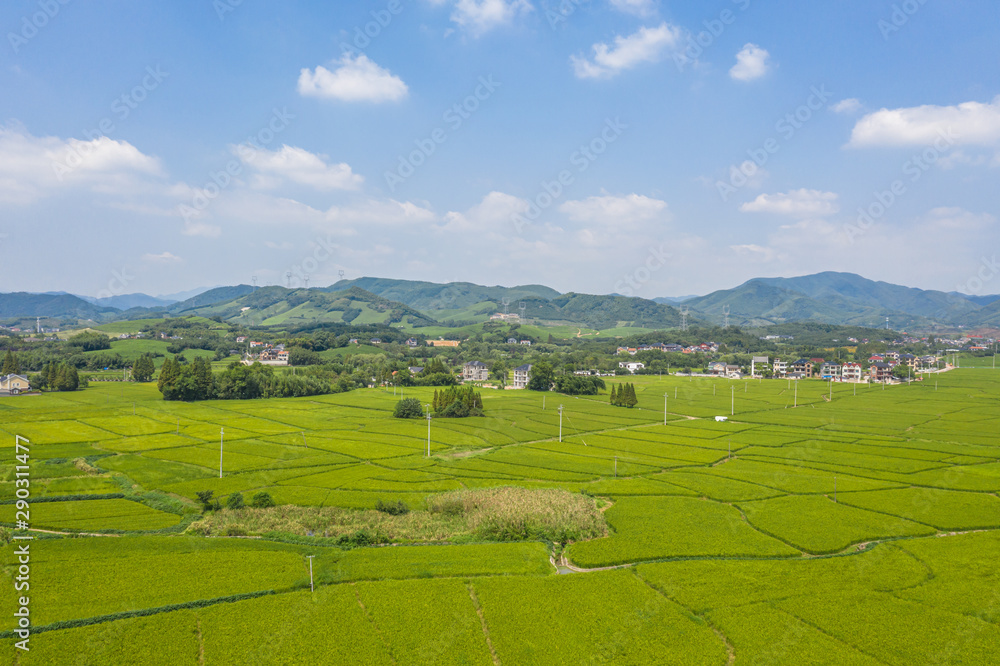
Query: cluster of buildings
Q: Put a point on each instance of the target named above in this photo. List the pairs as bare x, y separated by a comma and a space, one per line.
703, 348
477, 371
880, 367
505, 317
265, 353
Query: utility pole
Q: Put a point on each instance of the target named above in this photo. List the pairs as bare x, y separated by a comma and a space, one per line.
835, 490
796, 404
616, 467
560, 422
222, 439
311, 588
664, 409
732, 409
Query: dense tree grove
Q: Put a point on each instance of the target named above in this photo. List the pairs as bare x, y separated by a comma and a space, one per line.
408, 408
10, 365
623, 395
195, 381
143, 369
458, 402
578, 385
57, 377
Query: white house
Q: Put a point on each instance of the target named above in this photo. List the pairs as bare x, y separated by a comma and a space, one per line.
758, 361
522, 375
475, 371
632, 366
780, 367
851, 372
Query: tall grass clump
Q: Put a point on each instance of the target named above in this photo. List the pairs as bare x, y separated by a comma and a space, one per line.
520, 514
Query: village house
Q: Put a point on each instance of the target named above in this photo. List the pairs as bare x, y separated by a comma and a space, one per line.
830, 370
851, 372
411, 342
880, 372
632, 366
758, 361
803, 367
475, 371
14, 384
522, 375
442, 343
779, 367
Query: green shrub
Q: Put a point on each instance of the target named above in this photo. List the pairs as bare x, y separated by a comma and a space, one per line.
235, 501
398, 508
262, 500
408, 408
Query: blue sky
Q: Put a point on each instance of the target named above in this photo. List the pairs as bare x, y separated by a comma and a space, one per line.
698, 144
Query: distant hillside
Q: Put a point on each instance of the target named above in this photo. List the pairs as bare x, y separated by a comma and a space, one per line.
987, 316
430, 296
22, 304
278, 306
129, 301
602, 312
212, 296
879, 295
835, 298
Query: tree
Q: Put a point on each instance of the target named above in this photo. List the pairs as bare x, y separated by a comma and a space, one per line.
205, 497
262, 500
542, 377
10, 365
614, 395
408, 408
143, 369
235, 502
630, 399
168, 373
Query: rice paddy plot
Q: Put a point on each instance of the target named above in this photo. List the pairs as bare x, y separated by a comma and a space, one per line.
637, 486
653, 528
402, 562
450, 631
571, 462
152, 473
716, 487
703, 585
943, 509
887, 627
83, 515
817, 524
792, 479
607, 617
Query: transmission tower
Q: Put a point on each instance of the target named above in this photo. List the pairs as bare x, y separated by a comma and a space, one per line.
341, 274
254, 279
684, 318
288, 280
522, 306
306, 280
506, 303
725, 312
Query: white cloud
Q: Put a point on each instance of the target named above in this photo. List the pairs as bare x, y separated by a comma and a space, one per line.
195, 228
300, 166
493, 212
614, 210
645, 45
751, 63
755, 252
356, 79
31, 167
849, 105
641, 8
970, 123
797, 203
166, 258
480, 16
380, 212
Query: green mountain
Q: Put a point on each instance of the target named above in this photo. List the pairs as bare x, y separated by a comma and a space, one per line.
431, 296
278, 306
835, 298
602, 312
212, 296
22, 304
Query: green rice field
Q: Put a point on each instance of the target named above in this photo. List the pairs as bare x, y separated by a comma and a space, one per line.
862, 528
